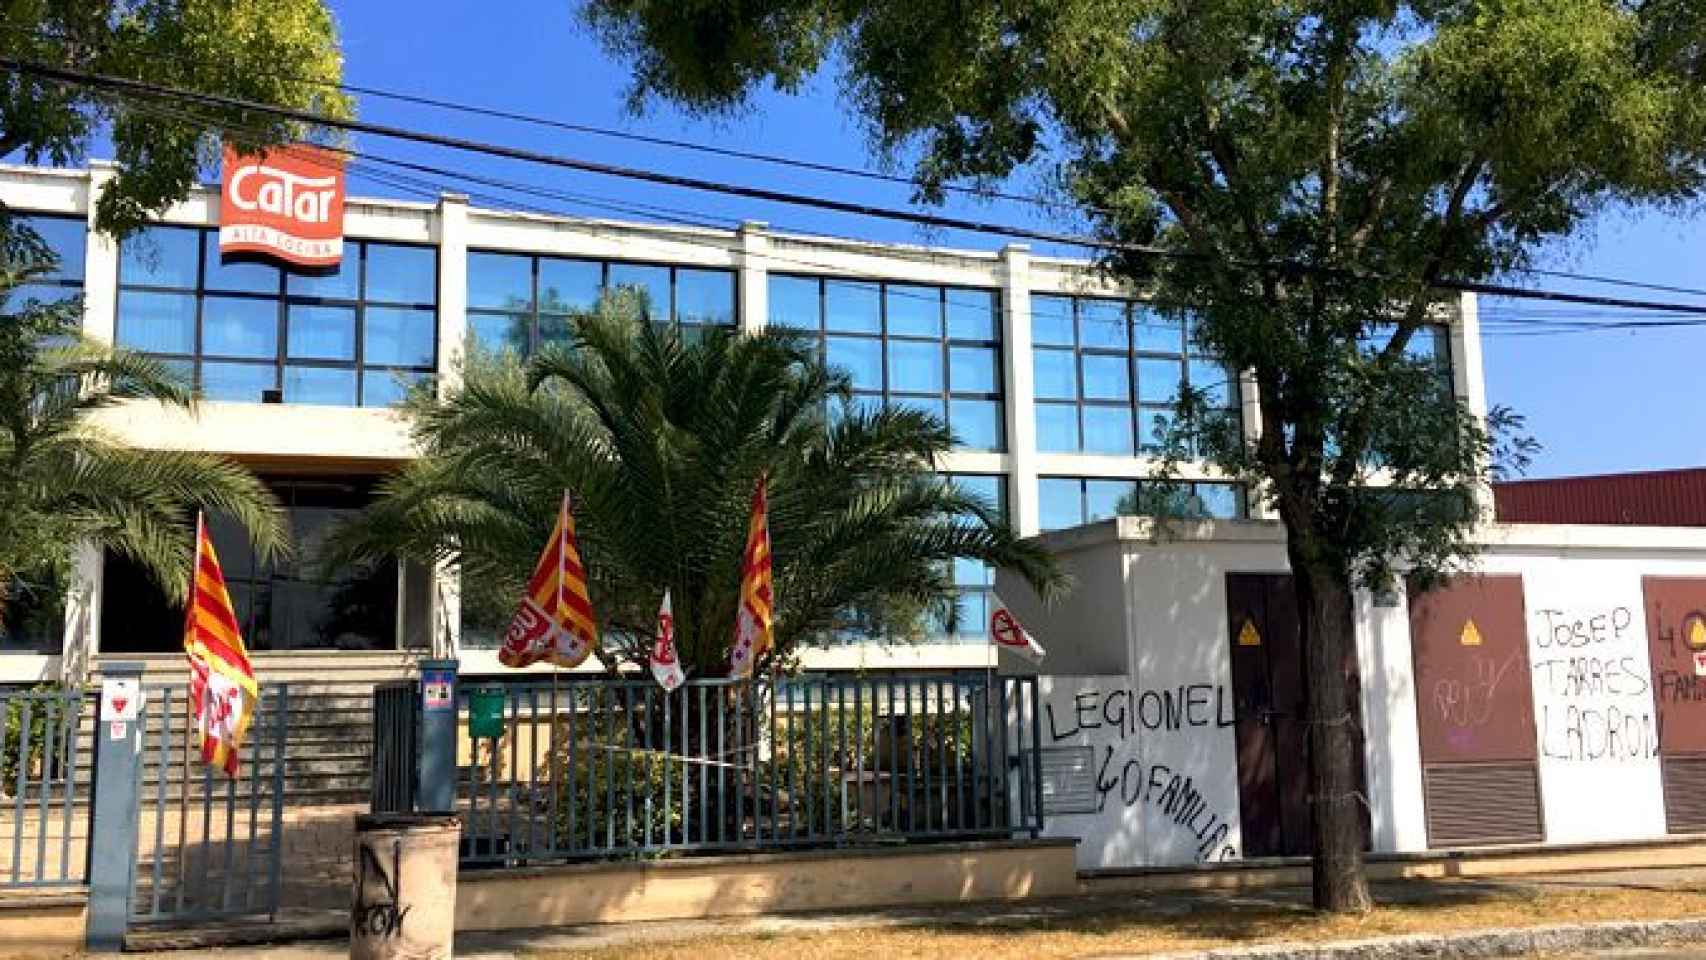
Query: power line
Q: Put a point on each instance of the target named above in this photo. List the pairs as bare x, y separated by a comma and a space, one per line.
650, 139
143, 88
432, 189
139, 87
842, 170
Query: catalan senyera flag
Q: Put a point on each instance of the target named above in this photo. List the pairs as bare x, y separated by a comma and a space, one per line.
223, 691
754, 617
554, 621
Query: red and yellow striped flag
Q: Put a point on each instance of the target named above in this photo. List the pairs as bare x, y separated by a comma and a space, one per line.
223, 691
554, 621
754, 631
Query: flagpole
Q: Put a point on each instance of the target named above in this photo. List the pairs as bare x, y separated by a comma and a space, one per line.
562, 542
189, 700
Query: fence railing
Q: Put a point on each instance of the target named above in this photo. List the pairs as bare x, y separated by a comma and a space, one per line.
43, 804
396, 746
589, 767
208, 845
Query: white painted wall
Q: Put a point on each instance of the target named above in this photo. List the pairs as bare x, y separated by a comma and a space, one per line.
1164, 749
1587, 644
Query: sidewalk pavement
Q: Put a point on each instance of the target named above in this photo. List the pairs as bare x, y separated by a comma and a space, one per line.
516, 944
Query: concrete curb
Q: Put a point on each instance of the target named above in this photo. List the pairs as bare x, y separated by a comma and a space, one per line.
1500, 942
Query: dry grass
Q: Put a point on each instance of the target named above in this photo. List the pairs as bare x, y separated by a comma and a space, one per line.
1137, 925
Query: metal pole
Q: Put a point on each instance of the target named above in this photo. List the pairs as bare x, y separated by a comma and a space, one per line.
112, 861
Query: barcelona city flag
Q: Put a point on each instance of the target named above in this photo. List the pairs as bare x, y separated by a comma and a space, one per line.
554, 621
754, 617
223, 691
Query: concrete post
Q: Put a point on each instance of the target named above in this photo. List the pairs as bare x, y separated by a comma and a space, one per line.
1020, 388
1468, 379
754, 287
452, 229
436, 766
100, 264
112, 861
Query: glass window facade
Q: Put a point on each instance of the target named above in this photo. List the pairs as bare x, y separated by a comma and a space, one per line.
67, 239
974, 582
931, 348
288, 603
516, 302
1429, 344
357, 336
1108, 373
1069, 501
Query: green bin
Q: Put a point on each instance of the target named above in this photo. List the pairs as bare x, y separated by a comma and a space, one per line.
486, 712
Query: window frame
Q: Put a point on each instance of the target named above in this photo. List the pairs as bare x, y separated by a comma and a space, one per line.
283, 300
1241, 505
75, 285
944, 342
533, 314
1132, 356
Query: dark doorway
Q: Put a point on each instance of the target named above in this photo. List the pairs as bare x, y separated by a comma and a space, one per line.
1268, 685
281, 604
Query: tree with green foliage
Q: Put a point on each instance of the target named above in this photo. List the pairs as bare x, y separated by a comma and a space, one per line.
1313, 170
65, 482
282, 52
660, 437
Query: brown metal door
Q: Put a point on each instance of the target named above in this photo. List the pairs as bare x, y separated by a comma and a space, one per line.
1475, 710
1252, 692
1268, 687
1676, 634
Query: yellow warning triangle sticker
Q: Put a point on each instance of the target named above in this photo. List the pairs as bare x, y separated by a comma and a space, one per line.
1247, 635
1471, 636
1697, 634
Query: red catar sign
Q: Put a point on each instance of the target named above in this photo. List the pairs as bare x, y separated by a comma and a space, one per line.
287, 203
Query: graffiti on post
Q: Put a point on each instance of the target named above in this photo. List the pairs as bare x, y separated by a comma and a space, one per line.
1114, 719
1593, 697
379, 916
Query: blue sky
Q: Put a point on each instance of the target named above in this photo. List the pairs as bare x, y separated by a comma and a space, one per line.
1598, 402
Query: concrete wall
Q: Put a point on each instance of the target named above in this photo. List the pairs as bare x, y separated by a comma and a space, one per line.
762, 883
1165, 781
1158, 717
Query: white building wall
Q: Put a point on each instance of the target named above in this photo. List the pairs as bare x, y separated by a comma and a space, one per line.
1591, 683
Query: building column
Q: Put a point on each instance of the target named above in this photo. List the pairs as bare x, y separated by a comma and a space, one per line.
1468, 380
753, 292
100, 264
452, 225
82, 636
1020, 392
1250, 405
444, 608
82, 624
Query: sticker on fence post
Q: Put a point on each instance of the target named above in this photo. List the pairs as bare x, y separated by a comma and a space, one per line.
121, 702
438, 690
121, 698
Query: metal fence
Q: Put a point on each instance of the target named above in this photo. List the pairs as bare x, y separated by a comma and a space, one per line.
587, 767
44, 769
396, 746
208, 845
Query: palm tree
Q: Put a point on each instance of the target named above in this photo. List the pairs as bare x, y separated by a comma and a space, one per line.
63, 481
660, 436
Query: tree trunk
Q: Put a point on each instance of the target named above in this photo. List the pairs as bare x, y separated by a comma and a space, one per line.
1335, 796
